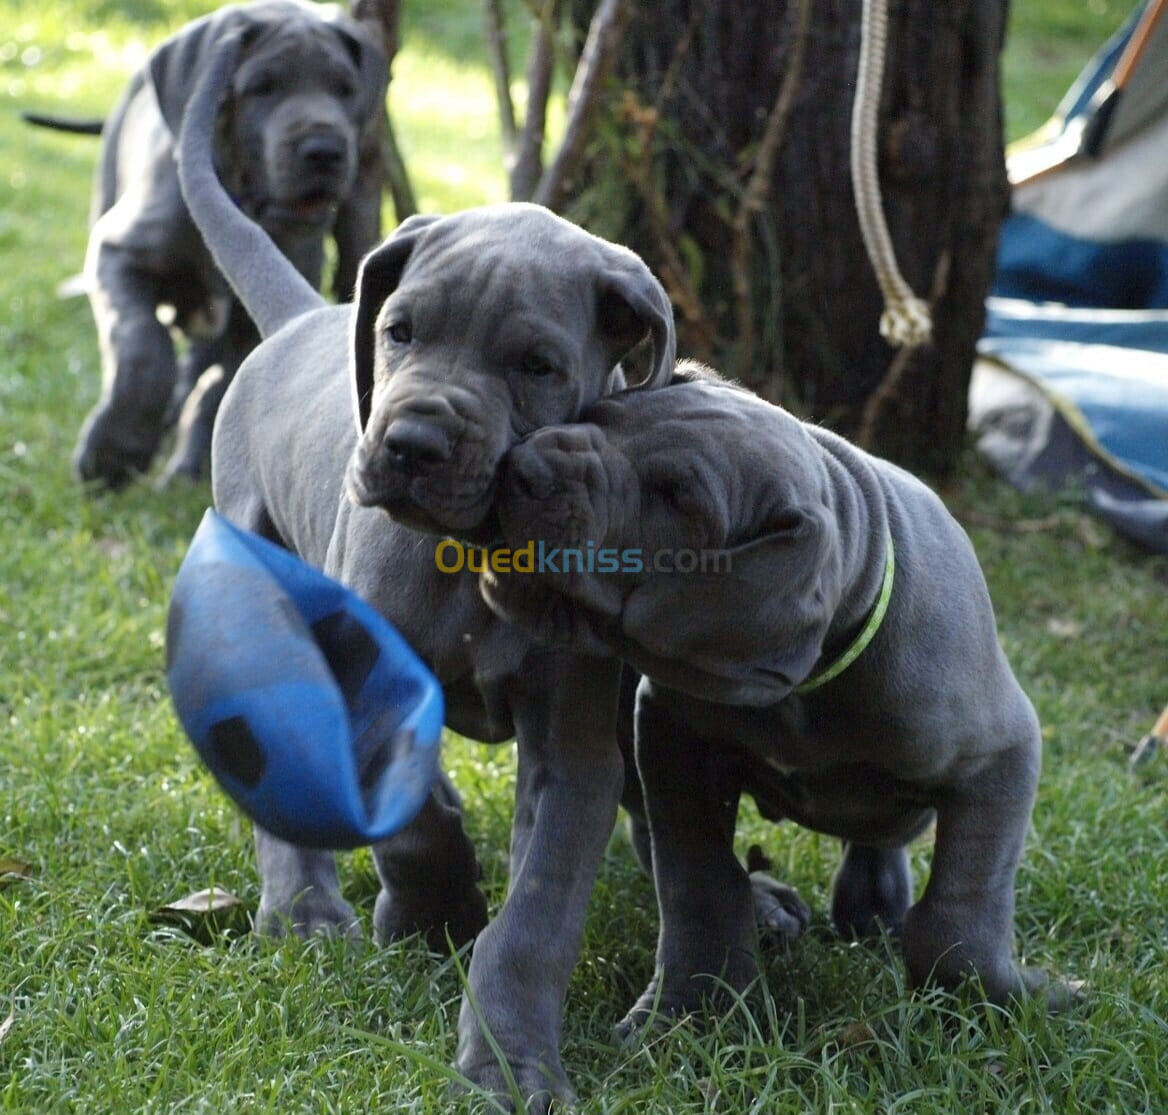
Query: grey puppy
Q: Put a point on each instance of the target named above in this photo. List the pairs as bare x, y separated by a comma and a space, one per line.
296, 144
468, 332
813, 630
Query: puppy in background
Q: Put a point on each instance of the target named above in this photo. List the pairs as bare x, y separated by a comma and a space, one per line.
297, 147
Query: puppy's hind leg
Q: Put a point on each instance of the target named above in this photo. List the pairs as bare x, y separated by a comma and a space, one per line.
872, 889
963, 925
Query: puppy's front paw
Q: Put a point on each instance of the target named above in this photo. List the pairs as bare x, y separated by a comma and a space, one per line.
541, 1090
312, 913
444, 919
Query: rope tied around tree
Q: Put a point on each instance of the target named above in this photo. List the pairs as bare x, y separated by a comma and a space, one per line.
906, 321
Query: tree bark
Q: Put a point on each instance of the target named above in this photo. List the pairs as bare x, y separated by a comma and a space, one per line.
698, 107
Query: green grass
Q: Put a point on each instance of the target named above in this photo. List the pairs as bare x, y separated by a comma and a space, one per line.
100, 794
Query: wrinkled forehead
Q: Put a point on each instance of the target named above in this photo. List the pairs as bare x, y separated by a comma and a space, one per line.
289, 36
536, 254
504, 275
692, 417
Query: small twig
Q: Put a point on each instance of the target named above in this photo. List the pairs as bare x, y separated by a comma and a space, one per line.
495, 29
671, 268
397, 177
889, 386
673, 71
526, 164
755, 195
596, 61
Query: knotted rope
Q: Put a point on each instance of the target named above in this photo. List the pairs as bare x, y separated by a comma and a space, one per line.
906, 321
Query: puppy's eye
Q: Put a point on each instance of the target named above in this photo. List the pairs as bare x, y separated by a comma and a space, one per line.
264, 85
673, 493
344, 88
401, 333
535, 365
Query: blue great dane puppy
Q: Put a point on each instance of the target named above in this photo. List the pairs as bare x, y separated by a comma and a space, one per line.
296, 143
813, 630
359, 437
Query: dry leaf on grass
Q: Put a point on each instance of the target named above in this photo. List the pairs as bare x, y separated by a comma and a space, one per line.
206, 914
854, 1034
7, 1024
14, 871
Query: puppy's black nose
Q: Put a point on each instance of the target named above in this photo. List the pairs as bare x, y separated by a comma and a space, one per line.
415, 446
321, 153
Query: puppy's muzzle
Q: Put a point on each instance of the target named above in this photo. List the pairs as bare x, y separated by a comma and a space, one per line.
528, 475
322, 154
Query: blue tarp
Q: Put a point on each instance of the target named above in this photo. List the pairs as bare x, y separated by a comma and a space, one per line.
1073, 385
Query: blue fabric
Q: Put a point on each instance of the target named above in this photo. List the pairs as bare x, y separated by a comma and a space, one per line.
1086, 321
1120, 394
306, 704
1042, 264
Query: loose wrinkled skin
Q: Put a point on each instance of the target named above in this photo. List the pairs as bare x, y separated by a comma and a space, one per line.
928, 723
297, 148
359, 437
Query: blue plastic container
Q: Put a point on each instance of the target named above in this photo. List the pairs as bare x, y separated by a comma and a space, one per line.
313, 713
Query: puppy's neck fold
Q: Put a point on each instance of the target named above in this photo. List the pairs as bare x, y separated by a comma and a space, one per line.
864, 534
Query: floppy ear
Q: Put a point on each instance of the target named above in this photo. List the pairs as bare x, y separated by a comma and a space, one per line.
177, 64
760, 623
629, 303
372, 67
377, 278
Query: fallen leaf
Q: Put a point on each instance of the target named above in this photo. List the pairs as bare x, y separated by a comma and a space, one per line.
205, 914
6, 1025
14, 871
208, 901
855, 1033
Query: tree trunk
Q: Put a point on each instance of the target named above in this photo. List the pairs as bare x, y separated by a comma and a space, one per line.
383, 20
791, 306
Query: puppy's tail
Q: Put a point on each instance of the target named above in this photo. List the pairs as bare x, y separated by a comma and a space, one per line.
272, 291
64, 123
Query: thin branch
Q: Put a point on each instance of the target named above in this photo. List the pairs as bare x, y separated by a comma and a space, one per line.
383, 19
596, 62
671, 268
673, 272
527, 158
397, 177
495, 28
755, 195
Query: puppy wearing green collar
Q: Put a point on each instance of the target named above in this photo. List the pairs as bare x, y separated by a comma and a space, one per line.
827, 646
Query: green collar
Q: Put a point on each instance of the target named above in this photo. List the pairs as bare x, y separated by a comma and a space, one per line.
862, 640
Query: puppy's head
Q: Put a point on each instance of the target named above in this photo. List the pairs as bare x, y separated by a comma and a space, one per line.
473, 331
308, 82
723, 563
